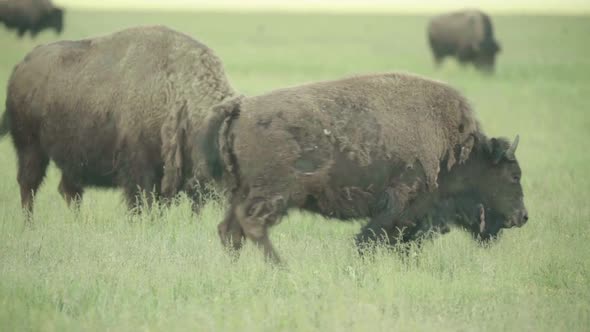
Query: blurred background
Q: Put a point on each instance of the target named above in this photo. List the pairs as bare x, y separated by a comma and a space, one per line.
522, 6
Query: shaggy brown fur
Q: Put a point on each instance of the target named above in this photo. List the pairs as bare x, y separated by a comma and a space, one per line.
467, 35
370, 146
113, 111
31, 15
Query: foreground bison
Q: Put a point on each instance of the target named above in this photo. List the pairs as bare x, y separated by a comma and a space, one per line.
113, 111
393, 148
31, 15
467, 35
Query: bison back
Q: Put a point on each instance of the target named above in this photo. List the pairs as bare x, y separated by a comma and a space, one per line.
16, 13
452, 32
98, 101
349, 137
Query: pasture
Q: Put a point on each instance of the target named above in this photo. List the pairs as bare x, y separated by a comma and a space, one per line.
103, 269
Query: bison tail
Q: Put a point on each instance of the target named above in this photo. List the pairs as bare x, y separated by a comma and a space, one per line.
4, 124
215, 144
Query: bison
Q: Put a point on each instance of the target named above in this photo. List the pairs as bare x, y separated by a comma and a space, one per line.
113, 111
31, 15
389, 147
467, 35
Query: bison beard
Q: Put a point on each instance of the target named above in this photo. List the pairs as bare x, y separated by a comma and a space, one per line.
389, 147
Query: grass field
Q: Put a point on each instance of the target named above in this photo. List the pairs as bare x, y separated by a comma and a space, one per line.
102, 269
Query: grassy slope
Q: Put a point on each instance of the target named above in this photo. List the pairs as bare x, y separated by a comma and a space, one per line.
102, 270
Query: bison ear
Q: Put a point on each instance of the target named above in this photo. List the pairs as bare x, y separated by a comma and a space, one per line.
501, 148
173, 140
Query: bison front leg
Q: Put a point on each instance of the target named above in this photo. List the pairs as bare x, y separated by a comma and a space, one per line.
32, 165
385, 228
21, 31
71, 192
390, 224
141, 189
376, 231
231, 232
200, 193
438, 61
137, 197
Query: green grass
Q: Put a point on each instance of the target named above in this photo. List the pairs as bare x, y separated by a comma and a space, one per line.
102, 269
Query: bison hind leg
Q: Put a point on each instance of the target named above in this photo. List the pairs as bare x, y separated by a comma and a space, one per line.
32, 166
438, 59
71, 192
230, 232
256, 216
438, 53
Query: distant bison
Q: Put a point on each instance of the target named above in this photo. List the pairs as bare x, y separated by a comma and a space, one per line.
467, 35
390, 147
31, 15
113, 111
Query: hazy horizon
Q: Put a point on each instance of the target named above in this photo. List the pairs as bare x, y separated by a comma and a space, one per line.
571, 7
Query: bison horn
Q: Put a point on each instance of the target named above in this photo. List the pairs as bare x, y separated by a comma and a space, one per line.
512, 149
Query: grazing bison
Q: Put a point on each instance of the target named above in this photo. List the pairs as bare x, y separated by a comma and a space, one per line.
113, 111
467, 35
31, 15
389, 147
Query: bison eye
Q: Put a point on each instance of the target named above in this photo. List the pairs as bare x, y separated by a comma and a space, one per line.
516, 179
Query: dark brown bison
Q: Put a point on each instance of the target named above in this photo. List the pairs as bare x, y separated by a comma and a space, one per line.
31, 15
467, 35
113, 111
389, 147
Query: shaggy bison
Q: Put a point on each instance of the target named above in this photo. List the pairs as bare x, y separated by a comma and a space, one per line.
113, 111
467, 35
390, 147
31, 15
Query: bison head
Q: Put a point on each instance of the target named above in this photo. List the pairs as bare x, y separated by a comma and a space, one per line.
56, 19
53, 19
485, 58
486, 191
